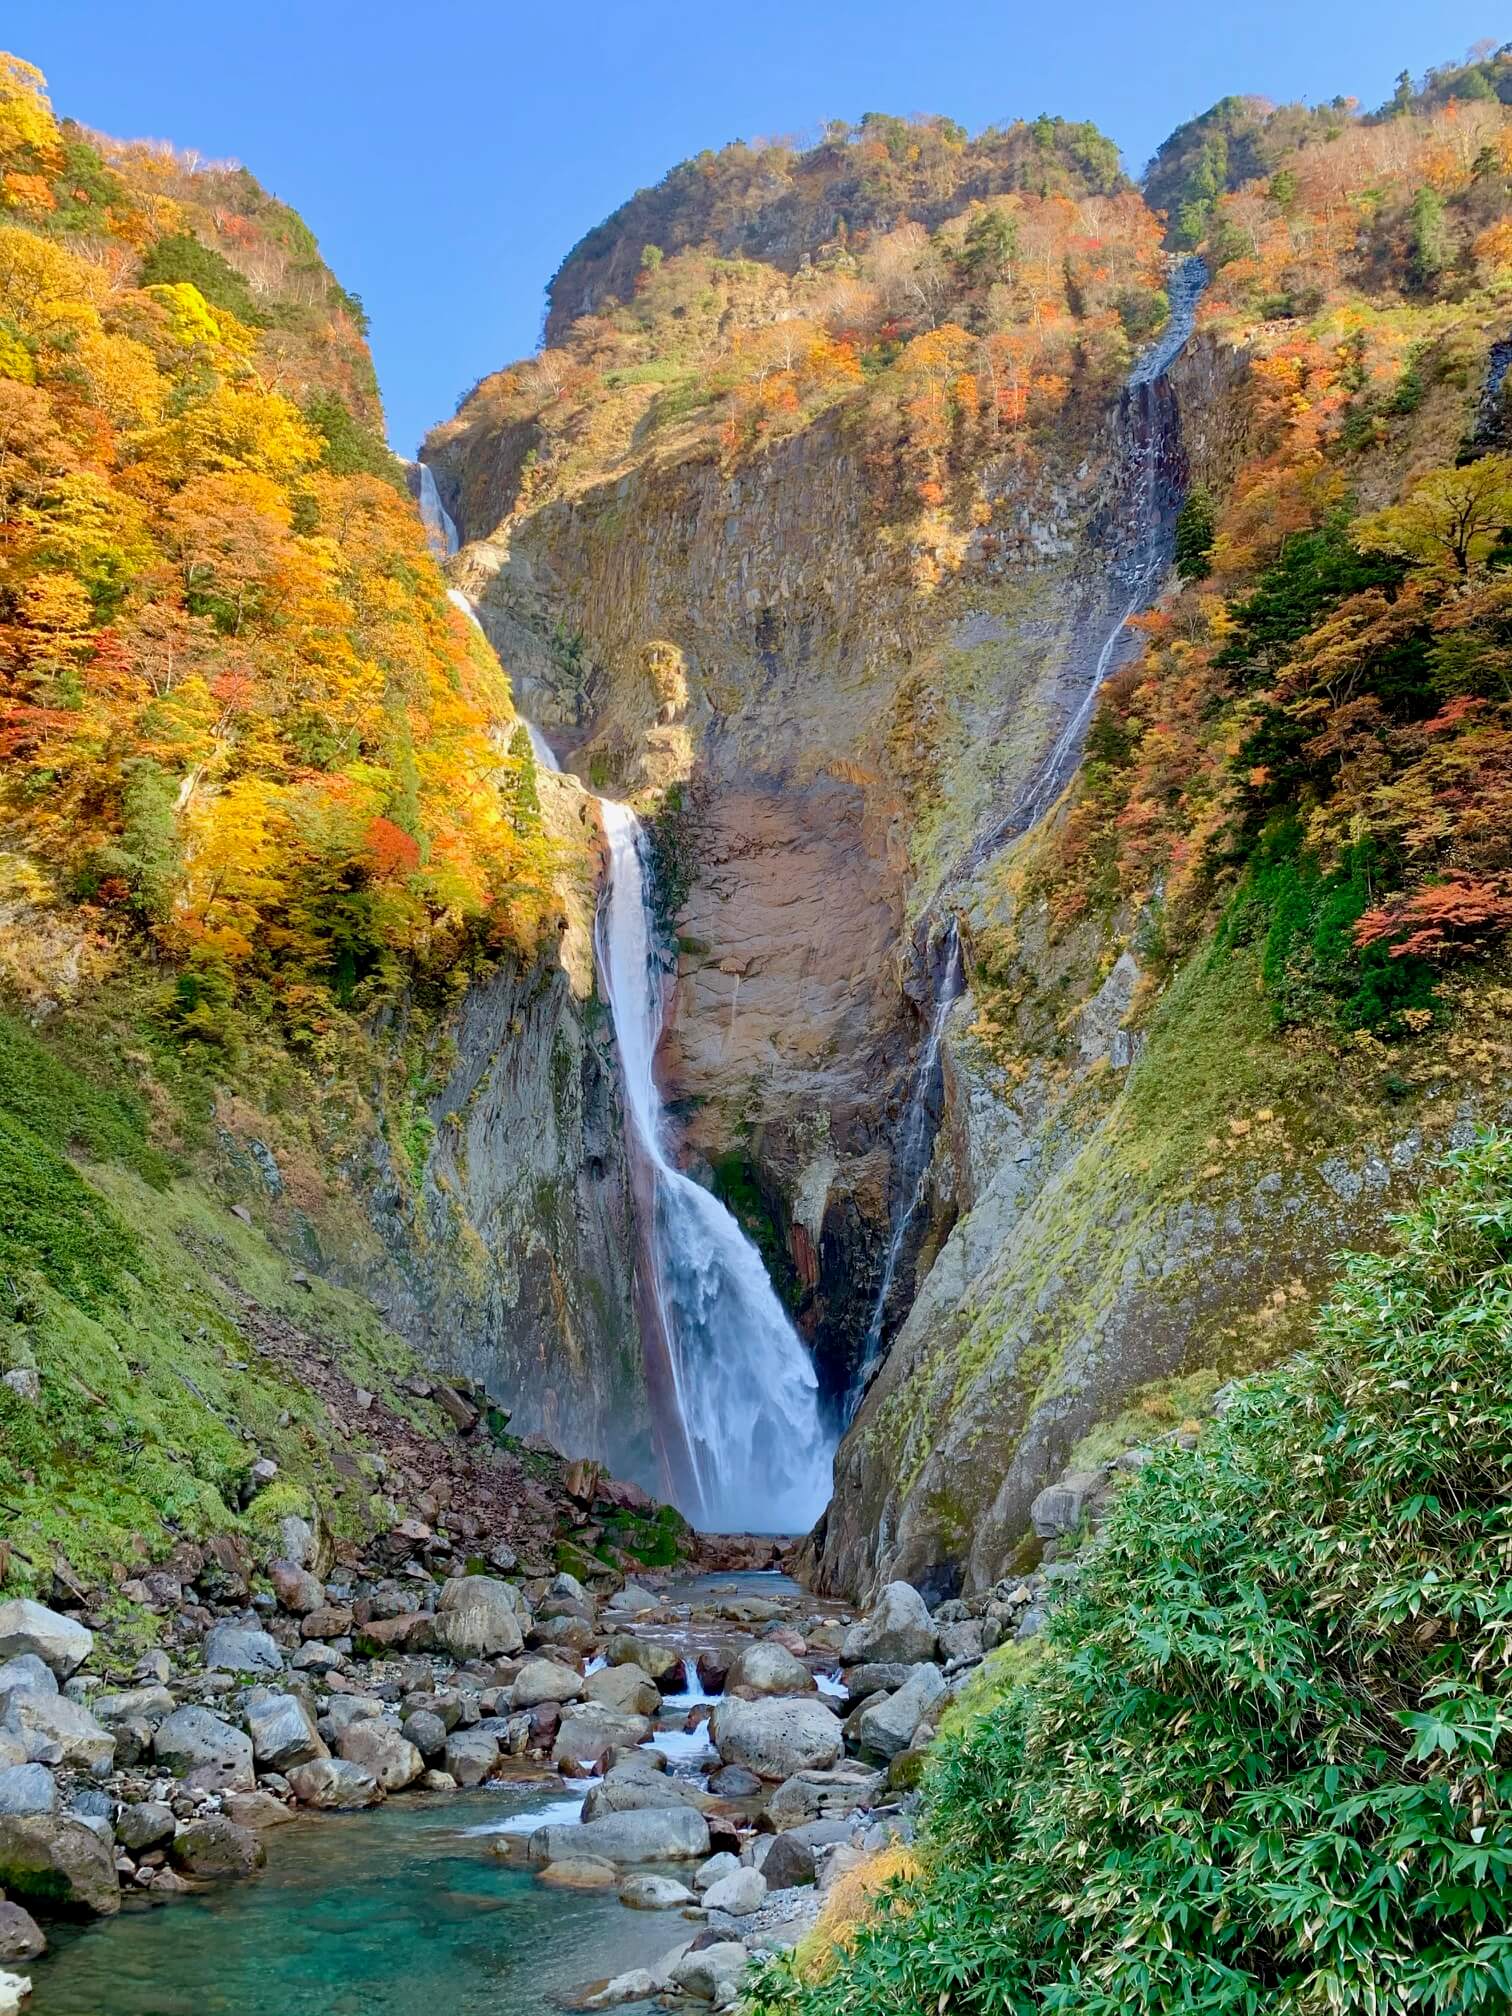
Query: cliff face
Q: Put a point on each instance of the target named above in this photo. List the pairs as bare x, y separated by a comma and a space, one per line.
842, 637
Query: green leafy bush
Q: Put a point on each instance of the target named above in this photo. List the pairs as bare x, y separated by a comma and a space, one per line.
178, 257
1266, 1763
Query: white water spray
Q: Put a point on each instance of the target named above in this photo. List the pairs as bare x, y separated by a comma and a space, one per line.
911, 1163
744, 1389
440, 528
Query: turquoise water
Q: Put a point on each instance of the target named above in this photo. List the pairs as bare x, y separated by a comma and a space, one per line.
399, 1912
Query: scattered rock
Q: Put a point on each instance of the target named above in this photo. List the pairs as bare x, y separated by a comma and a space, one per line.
235, 1648
384, 1751
60, 1863
334, 1784
824, 1795
899, 1628
766, 1667
21, 1937
541, 1680
888, 1722
60, 1643
656, 1834
282, 1732
28, 1788
629, 1689
56, 1730
476, 1618
775, 1738
216, 1848
740, 1893
192, 1738
788, 1863
471, 1754
144, 1825
655, 1893
581, 1872
708, 1975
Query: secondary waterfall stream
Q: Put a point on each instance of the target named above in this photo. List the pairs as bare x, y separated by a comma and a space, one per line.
734, 1391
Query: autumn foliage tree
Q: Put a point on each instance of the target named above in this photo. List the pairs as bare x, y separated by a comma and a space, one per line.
238, 716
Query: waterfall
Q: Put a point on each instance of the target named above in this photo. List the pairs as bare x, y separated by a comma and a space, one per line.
754, 1455
911, 1161
1139, 538
440, 529
734, 1389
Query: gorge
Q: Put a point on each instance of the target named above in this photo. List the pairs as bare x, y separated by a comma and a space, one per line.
755, 1194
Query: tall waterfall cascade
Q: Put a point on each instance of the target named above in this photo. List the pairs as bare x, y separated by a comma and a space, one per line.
440, 527
746, 1449
756, 1455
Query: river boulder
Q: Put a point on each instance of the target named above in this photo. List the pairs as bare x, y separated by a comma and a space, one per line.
900, 1627
655, 1893
28, 1788
61, 1643
282, 1732
216, 1848
657, 1834
21, 1937
541, 1680
628, 1689
471, 1754
334, 1784
711, 1973
59, 1863
740, 1893
384, 1750
766, 1667
192, 1739
56, 1730
476, 1618
775, 1738
824, 1795
888, 1721
239, 1648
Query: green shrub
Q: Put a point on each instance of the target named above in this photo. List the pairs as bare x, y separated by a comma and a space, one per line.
1195, 527
179, 257
1266, 1764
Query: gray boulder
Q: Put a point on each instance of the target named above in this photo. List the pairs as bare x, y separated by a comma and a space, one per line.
137, 1705
541, 1680
711, 1973
590, 1731
889, 1720
900, 1627
426, 1731
656, 1834
236, 1648
823, 1795
636, 1795
627, 1689
60, 1643
56, 1730
769, 1668
58, 1862
21, 1937
788, 1863
1059, 1507
775, 1738
144, 1825
715, 1870
476, 1618
27, 1670
384, 1750
216, 1848
471, 1754
28, 1788
333, 1784
740, 1893
192, 1739
655, 1893
282, 1732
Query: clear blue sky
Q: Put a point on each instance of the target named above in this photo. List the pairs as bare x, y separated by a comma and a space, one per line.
447, 153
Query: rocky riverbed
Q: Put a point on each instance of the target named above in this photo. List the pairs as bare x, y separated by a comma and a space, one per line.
603, 1795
